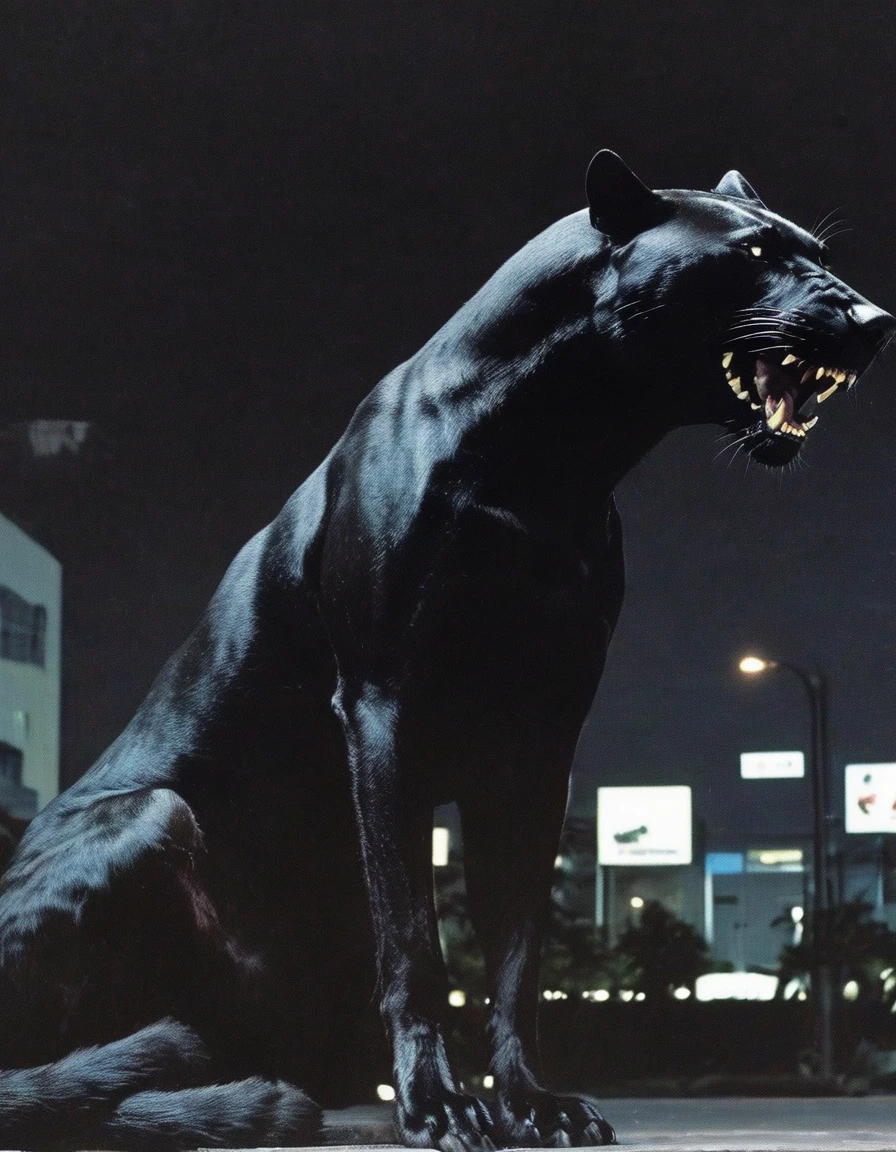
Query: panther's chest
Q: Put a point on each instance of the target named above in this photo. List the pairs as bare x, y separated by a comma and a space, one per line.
505, 606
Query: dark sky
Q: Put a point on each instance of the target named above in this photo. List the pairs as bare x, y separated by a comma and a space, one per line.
222, 223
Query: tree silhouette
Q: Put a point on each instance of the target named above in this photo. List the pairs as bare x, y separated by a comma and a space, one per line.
665, 952
846, 940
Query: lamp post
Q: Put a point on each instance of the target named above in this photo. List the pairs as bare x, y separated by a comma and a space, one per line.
815, 686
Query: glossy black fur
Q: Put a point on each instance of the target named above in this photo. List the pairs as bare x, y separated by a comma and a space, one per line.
426, 620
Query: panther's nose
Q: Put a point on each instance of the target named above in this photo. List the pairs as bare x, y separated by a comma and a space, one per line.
875, 327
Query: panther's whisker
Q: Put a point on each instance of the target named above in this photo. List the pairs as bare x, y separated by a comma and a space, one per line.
734, 443
832, 220
834, 216
770, 313
833, 235
767, 309
771, 318
766, 321
645, 312
733, 446
743, 337
785, 331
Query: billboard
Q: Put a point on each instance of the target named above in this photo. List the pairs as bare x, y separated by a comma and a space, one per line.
771, 765
871, 797
644, 825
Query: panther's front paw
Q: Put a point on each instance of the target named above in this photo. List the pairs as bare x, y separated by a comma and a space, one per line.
452, 1122
542, 1119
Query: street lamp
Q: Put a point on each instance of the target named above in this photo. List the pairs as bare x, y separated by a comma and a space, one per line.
815, 686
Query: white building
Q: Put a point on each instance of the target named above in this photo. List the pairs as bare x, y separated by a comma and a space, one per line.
30, 672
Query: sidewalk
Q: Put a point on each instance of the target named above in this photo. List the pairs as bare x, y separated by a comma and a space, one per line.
830, 1124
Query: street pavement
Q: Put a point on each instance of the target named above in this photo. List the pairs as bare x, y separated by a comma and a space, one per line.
819, 1124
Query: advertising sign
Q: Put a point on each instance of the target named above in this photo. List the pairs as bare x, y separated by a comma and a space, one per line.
645, 825
871, 797
771, 765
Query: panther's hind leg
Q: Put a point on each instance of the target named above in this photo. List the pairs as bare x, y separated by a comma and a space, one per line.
122, 992
106, 926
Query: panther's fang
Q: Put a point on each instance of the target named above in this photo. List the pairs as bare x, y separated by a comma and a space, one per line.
822, 396
779, 413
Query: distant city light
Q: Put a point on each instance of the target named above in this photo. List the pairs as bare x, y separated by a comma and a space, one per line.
549, 995
457, 998
736, 986
753, 664
488, 1081
773, 857
682, 993
640, 996
636, 902
851, 990
599, 994
797, 914
385, 1092
775, 860
559, 861
441, 840
626, 994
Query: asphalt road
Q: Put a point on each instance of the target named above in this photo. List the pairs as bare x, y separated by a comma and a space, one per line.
857, 1124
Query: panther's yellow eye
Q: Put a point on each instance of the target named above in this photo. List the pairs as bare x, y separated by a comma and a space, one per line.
755, 250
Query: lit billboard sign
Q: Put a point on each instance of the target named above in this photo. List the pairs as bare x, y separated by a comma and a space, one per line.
646, 825
871, 797
771, 765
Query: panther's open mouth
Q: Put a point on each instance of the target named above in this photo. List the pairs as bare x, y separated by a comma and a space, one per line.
785, 391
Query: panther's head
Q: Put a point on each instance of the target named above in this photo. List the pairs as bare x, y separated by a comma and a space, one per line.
732, 307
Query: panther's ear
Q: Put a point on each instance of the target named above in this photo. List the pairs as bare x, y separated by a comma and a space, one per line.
621, 206
733, 184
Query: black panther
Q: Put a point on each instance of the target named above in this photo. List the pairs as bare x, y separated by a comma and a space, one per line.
192, 928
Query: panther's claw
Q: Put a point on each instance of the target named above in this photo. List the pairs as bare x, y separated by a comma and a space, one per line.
560, 1139
599, 1132
456, 1123
592, 1128
560, 1122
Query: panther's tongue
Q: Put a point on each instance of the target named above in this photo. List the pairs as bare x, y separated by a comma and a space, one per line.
771, 382
777, 392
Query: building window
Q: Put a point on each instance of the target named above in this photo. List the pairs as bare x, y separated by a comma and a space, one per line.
10, 763
23, 629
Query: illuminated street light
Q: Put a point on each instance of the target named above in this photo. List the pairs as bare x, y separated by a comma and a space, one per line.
815, 687
636, 902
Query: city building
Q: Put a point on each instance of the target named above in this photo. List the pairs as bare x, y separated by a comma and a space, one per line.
30, 672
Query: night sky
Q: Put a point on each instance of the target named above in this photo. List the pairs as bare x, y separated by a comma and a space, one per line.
222, 223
